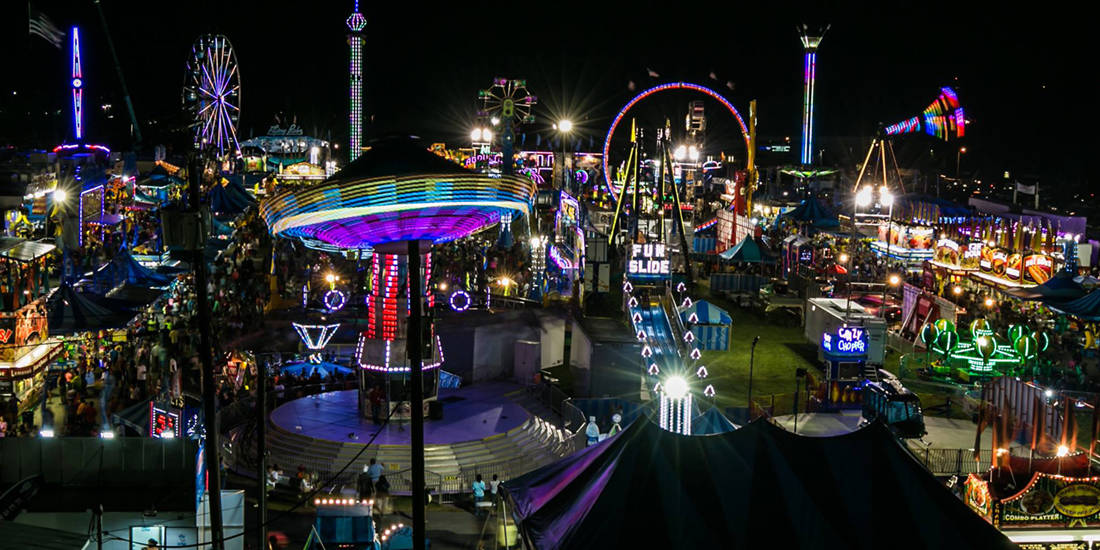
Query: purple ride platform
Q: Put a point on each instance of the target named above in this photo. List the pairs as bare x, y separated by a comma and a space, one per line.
471, 413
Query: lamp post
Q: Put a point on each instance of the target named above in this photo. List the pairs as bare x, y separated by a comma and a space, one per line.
752, 357
564, 127
958, 159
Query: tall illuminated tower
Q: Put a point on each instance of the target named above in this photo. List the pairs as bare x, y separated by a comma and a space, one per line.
78, 88
356, 23
810, 42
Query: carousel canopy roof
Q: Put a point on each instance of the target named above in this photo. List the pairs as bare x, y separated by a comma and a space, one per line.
756, 486
397, 191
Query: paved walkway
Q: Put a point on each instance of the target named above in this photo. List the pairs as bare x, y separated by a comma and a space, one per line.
943, 433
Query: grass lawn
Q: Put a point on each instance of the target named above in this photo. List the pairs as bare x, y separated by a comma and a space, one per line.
781, 350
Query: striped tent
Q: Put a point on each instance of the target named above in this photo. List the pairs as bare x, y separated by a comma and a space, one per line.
711, 325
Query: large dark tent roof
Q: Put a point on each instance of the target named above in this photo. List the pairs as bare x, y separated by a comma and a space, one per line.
68, 312
1063, 286
230, 198
747, 251
396, 156
756, 487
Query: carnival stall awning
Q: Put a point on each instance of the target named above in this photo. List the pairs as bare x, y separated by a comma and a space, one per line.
759, 486
1086, 307
26, 251
305, 369
749, 250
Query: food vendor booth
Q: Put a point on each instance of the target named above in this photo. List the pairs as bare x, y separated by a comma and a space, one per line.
1046, 510
911, 244
25, 349
797, 251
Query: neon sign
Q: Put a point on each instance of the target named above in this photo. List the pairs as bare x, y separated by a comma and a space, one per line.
648, 260
162, 422
846, 341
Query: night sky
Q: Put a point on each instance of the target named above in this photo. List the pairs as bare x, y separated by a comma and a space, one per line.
1023, 77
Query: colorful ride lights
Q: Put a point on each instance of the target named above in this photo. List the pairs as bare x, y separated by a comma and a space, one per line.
701, 372
315, 337
335, 300
686, 152
654, 370
460, 300
342, 502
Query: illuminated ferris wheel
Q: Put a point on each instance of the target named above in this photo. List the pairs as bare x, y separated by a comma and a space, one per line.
507, 102
212, 95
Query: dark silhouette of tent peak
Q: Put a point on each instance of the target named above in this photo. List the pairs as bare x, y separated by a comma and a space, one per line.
68, 311
230, 197
755, 487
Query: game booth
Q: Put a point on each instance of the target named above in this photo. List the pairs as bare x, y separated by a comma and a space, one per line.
25, 349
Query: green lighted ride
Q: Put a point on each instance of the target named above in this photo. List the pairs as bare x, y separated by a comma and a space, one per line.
985, 355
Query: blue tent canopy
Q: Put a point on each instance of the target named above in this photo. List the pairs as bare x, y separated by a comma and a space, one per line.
1086, 307
711, 422
1063, 286
749, 251
812, 212
230, 198
125, 269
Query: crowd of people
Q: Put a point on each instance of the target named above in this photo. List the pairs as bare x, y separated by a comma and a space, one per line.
156, 355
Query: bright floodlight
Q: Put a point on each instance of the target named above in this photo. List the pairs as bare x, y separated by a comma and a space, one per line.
476, 134
330, 278
894, 279
487, 135
1063, 450
843, 258
693, 153
535, 242
864, 197
59, 195
957, 289
885, 196
494, 120
1049, 393
676, 387
565, 126
680, 153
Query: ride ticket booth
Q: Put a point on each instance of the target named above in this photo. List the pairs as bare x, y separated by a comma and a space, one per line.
851, 346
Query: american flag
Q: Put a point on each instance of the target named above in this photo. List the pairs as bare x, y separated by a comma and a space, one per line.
40, 25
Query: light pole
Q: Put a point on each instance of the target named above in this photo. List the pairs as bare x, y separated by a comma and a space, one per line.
752, 357
863, 198
958, 158
564, 127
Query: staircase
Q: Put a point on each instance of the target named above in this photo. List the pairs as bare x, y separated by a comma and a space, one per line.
451, 468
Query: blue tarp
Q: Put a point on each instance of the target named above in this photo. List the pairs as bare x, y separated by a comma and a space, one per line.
230, 198
449, 381
711, 422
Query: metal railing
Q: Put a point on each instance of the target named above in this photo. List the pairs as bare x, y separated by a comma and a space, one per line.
952, 461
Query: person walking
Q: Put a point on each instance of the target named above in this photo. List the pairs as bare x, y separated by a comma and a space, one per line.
479, 494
